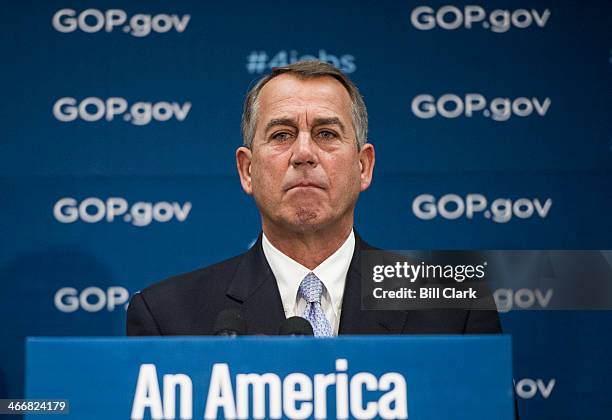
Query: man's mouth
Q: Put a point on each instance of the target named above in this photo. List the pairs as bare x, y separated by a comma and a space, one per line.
305, 184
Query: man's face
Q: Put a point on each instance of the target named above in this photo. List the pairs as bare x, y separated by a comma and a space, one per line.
304, 169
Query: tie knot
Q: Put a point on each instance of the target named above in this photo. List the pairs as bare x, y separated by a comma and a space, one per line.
311, 288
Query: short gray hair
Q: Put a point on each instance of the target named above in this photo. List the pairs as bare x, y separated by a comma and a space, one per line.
307, 69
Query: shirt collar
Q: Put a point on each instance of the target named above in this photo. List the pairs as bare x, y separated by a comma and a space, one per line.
289, 273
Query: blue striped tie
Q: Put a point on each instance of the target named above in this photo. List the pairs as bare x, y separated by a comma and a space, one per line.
311, 290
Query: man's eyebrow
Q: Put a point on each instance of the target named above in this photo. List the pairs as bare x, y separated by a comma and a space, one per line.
329, 121
279, 121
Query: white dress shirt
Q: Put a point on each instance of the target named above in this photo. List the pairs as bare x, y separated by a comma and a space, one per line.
332, 273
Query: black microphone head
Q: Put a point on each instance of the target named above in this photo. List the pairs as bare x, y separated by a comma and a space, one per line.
230, 322
296, 325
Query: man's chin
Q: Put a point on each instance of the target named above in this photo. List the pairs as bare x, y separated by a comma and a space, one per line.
306, 216
305, 219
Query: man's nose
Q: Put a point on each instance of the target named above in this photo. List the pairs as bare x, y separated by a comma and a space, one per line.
304, 151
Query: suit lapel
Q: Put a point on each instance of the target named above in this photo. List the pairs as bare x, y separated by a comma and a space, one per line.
354, 320
254, 286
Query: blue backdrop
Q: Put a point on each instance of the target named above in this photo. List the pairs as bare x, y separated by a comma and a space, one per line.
120, 121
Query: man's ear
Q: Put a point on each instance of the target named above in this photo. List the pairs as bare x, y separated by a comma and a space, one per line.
367, 158
244, 157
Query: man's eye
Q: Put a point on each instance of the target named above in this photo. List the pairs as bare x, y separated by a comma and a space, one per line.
281, 136
327, 135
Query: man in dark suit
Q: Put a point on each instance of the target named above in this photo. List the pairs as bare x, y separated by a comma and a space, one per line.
305, 160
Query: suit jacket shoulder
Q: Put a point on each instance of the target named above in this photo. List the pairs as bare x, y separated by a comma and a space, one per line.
182, 304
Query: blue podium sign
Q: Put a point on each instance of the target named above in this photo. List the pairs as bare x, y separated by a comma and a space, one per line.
416, 377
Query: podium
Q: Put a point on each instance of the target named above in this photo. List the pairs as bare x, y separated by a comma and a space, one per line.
416, 377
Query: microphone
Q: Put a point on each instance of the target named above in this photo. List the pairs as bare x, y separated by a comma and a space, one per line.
230, 323
296, 325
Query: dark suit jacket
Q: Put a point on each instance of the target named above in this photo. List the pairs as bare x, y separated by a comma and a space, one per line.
188, 304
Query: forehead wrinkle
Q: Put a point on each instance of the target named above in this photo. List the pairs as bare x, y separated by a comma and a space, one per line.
301, 98
312, 113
